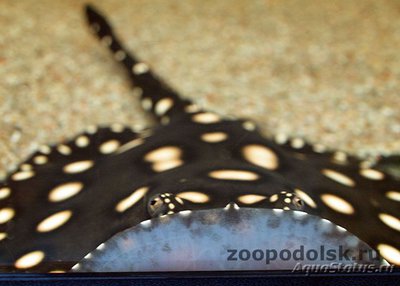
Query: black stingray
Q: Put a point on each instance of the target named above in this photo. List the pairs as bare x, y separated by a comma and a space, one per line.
192, 144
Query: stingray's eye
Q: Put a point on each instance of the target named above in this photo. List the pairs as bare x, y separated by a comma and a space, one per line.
298, 202
162, 204
287, 201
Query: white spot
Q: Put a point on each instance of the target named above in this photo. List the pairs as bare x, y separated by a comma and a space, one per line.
338, 177
299, 213
40, 160
101, 246
390, 221
214, 137
337, 204
167, 201
261, 156
3, 235
4, 193
165, 153
130, 145
287, 200
65, 191
281, 138
192, 108
24, 175
306, 198
286, 208
206, 118
340, 157
146, 223
120, 55
140, 68
109, 146
179, 200
390, 253
251, 199
185, 213
171, 206
128, 202
29, 260
162, 166
77, 167
194, 197
147, 104
75, 267
372, 174
249, 126
82, 141
26, 167
117, 128
368, 163
277, 210
273, 198
106, 41
57, 271
319, 148
91, 129
54, 221
163, 105
231, 206
393, 195
45, 149
64, 149
340, 228
6, 214
234, 175
88, 256
297, 143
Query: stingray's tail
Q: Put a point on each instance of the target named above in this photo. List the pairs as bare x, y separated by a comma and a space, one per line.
156, 96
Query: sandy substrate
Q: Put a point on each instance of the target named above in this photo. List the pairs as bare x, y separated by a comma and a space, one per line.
328, 71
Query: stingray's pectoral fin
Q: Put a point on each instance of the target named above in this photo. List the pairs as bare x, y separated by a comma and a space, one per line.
156, 95
231, 238
61, 194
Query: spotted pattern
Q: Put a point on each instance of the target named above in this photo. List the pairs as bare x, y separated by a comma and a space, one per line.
214, 137
251, 199
65, 191
206, 118
109, 146
78, 167
54, 221
194, 197
108, 179
338, 177
131, 200
29, 260
338, 204
261, 156
24, 175
235, 175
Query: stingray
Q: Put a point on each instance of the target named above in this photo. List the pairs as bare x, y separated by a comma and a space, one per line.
117, 199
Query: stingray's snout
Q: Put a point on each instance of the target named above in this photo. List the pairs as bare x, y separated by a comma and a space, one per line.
232, 238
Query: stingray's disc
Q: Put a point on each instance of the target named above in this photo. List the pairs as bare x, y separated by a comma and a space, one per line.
228, 239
